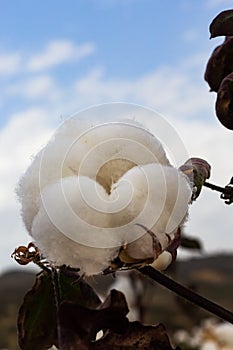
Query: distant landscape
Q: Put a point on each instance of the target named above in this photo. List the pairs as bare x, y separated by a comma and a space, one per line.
210, 276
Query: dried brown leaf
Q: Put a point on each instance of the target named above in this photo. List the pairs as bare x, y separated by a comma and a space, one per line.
224, 102
79, 325
222, 24
138, 337
220, 64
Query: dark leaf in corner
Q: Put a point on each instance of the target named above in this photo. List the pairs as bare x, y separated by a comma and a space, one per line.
37, 318
220, 64
224, 102
79, 325
137, 336
222, 24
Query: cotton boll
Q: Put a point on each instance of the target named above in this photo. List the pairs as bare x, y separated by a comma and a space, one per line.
97, 187
224, 334
210, 336
209, 345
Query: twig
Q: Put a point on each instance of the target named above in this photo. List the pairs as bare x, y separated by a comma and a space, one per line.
214, 187
55, 282
187, 293
226, 192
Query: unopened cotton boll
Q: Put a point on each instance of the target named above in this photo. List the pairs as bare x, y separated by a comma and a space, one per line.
97, 187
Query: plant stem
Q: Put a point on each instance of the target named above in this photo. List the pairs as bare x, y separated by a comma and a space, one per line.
186, 293
55, 282
214, 187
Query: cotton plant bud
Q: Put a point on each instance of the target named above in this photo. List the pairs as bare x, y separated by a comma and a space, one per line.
101, 190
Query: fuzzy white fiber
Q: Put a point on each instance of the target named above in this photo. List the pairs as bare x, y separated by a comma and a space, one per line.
97, 186
209, 336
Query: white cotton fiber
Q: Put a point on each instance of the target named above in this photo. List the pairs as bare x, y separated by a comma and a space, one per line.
97, 186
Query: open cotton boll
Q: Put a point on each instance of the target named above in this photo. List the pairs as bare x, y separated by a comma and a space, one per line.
97, 187
224, 334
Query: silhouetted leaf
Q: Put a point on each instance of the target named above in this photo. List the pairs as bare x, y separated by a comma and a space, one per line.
190, 243
222, 24
79, 325
224, 102
74, 289
136, 336
37, 318
37, 323
220, 64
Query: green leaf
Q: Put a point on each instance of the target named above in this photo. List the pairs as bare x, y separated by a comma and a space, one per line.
220, 64
224, 102
37, 318
222, 24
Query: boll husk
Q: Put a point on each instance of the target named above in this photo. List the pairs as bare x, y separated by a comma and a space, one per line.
97, 187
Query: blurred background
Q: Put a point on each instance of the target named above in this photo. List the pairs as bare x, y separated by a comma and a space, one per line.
58, 57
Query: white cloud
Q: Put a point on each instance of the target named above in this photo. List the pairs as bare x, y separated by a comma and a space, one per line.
170, 91
35, 87
22, 137
57, 52
10, 63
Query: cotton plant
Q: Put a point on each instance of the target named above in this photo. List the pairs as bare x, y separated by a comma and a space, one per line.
211, 335
100, 197
101, 192
106, 195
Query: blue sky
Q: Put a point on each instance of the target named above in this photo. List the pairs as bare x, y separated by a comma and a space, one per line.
57, 57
